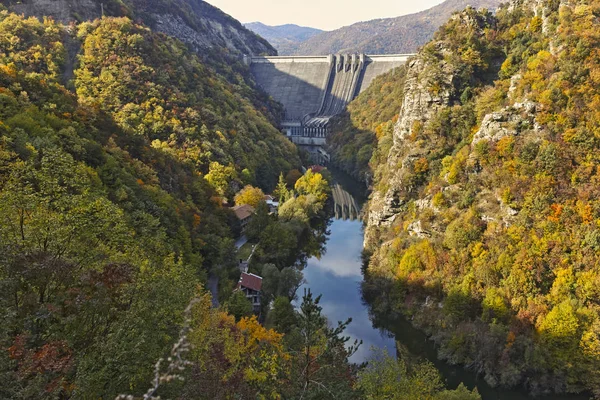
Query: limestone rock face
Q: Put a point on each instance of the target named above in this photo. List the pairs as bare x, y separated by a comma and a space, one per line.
212, 34
61, 10
510, 121
431, 85
383, 207
194, 22
428, 88
421, 101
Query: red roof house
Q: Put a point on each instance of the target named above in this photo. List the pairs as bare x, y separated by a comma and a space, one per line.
251, 285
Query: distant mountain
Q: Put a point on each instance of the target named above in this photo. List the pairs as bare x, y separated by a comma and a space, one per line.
285, 38
194, 22
403, 34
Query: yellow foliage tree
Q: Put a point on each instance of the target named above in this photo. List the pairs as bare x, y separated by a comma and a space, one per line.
249, 195
313, 183
243, 358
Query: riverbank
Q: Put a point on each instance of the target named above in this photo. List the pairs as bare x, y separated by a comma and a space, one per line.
338, 276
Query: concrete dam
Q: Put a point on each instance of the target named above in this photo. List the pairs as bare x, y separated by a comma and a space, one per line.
314, 89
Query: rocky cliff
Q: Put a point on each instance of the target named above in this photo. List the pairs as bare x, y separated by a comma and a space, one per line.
483, 222
194, 22
433, 83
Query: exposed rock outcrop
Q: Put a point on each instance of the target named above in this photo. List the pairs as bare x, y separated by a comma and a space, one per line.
428, 88
424, 95
509, 121
433, 83
194, 22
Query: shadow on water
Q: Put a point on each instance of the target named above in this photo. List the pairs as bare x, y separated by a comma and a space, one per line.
338, 277
413, 343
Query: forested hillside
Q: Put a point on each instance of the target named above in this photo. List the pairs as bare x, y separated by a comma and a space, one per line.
484, 221
120, 152
399, 35
111, 188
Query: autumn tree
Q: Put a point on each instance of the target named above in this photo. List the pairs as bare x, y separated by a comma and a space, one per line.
219, 176
281, 191
250, 195
314, 184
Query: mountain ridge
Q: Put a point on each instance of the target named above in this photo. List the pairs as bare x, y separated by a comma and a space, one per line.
283, 37
403, 34
194, 22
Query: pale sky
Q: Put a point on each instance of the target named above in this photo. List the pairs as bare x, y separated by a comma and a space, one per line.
322, 14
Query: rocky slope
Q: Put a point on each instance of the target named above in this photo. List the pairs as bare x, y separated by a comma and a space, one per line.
399, 35
194, 22
285, 38
483, 222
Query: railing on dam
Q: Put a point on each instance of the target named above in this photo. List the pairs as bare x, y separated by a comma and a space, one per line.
325, 59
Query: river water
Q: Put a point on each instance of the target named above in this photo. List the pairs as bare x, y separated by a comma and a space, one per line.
337, 276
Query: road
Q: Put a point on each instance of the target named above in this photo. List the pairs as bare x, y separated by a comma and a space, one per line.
241, 241
213, 286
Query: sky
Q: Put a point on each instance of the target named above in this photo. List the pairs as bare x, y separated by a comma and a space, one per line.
322, 14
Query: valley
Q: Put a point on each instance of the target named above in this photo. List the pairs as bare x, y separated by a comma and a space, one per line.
405, 208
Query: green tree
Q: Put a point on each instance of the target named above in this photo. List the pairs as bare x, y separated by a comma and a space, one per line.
388, 378
259, 222
270, 284
321, 366
290, 281
282, 316
278, 245
239, 305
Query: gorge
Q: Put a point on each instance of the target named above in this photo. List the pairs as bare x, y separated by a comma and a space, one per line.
131, 131
474, 171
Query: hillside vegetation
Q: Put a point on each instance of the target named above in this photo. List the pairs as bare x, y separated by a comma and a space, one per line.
107, 223
119, 151
484, 220
205, 28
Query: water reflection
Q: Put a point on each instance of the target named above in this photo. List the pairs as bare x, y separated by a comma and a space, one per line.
344, 205
337, 276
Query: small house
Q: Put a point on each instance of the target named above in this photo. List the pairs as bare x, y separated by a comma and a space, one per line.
251, 285
271, 203
244, 214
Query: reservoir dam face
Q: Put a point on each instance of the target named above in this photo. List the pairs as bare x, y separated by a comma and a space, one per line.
315, 89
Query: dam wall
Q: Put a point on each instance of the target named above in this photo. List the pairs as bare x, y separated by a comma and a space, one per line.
379, 65
296, 82
315, 89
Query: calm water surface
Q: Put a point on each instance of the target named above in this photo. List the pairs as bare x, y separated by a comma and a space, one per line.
337, 277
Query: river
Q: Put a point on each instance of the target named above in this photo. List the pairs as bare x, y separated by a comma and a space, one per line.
337, 276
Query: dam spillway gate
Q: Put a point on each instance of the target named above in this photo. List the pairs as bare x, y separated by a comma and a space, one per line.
315, 89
